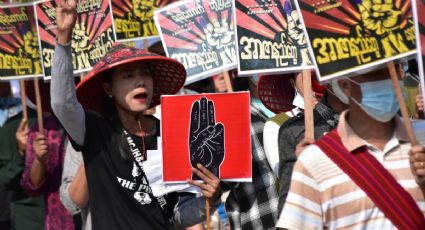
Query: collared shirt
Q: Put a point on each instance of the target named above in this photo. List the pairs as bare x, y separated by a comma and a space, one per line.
254, 205
291, 133
323, 196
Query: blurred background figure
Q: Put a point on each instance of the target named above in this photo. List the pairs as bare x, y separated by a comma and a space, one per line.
45, 154
17, 209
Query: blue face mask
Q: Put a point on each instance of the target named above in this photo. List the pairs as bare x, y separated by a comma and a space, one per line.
263, 108
379, 99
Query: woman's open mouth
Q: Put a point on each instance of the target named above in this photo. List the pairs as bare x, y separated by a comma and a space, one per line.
141, 97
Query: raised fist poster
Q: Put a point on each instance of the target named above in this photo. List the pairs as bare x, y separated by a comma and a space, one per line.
270, 37
92, 36
209, 129
200, 34
19, 50
348, 36
133, 19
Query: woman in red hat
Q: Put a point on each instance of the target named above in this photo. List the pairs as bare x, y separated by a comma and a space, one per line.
114, 134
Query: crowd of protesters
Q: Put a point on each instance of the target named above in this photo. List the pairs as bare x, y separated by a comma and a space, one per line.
359, 172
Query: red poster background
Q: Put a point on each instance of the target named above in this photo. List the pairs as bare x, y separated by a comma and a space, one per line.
232, 110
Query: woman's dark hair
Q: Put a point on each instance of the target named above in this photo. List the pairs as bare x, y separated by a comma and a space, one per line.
110, 114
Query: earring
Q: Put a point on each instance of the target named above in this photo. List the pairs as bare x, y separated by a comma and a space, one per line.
109, 95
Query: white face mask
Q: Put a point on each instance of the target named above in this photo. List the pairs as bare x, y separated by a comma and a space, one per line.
298, 101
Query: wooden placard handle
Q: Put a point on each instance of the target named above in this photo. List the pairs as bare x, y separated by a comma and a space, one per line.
23, 99
308, 105
39, 107
207, 213
403, 108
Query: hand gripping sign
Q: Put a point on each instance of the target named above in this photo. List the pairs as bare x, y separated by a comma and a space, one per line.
210, 129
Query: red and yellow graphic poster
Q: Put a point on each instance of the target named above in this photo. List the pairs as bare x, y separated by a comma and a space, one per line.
134, 19
270, 37
92, 37
200, 34
19, 50
349, 36
209, 129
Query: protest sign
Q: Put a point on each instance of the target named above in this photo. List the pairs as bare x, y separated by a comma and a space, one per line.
19, 49
92, 36
270, 38
348, 36
133, 19
153, 170
210, 129
419, 6
200, 34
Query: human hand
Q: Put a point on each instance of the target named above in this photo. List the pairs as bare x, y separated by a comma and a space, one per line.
304, 143
206, 138
417, 164
66, 16
210, 186
40, 147
419, 102
22, 136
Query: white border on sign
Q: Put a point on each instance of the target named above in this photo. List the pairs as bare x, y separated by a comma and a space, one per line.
128, 39
196, 77
243, 179
419, 47
355, 70
8, 78
264, 71
75, 72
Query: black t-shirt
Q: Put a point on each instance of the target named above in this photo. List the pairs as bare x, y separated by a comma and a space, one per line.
119, 193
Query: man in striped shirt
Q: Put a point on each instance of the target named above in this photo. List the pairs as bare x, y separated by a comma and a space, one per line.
322, 195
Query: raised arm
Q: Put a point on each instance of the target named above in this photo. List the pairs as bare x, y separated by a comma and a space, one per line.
63, 96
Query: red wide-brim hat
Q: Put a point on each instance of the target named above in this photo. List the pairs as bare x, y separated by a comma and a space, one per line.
168, 75
276, 92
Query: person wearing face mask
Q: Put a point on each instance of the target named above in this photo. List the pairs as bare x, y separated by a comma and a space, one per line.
291, 134
363, 174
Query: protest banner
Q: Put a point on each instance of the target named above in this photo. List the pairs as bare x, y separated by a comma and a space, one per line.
133, 19
19, 49
200, 34
270, 38
92, 36
347, 36
210, 129
419, 6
